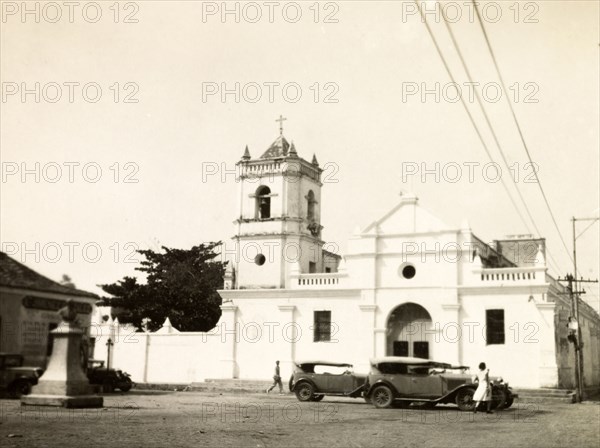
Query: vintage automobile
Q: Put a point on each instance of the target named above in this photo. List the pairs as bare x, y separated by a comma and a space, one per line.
312, 380
404, 380
109, 379
15, 378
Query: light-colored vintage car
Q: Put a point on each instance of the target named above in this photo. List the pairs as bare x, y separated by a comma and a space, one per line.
312, 380
404, 380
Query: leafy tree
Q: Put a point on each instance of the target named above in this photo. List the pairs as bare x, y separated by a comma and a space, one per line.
180, 284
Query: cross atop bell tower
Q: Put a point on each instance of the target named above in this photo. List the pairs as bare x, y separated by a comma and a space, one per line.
281, 119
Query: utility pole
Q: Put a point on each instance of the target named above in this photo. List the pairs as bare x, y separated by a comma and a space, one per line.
577, 344
574, 292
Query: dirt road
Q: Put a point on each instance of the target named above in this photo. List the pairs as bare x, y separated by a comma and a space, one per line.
189, 419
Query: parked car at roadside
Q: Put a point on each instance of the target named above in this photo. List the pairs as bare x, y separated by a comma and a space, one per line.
109, 379
15, 378
312, 380
405, 380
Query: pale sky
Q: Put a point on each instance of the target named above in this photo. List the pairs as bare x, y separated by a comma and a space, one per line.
369, 57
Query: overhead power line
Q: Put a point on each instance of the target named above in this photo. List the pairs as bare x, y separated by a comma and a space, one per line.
485, 147
491, 128
489, 45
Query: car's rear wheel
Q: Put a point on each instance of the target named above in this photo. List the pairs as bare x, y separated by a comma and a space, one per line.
464, 399
126, 387
382, 397
108, 387
498, 398
318, 397
509, 402
304, 391
19, 388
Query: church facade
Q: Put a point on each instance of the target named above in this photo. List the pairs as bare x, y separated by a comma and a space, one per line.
409, 285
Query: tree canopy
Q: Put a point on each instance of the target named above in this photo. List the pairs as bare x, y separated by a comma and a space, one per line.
180, 284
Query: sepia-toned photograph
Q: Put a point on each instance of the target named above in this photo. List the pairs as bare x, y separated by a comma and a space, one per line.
308, 223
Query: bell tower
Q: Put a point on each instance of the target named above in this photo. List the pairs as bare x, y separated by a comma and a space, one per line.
279, 217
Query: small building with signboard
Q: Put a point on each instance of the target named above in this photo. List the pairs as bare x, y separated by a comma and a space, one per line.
28, 310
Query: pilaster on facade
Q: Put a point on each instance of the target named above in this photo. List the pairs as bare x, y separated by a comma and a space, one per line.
288, 318
451, 342
380, 341
230, 337
368, 326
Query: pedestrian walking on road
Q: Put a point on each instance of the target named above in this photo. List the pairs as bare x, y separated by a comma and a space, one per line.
276, 380
484, 388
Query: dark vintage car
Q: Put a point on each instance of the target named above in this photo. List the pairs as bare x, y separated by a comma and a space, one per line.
404, 380
109, 379
312, 380
15, 378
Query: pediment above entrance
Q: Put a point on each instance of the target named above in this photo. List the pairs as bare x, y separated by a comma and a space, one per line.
406, 217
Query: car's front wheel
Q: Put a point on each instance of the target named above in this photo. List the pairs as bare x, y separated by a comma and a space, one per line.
382, 397
126, 386
498, 398
19, 388
304, 391
464, 399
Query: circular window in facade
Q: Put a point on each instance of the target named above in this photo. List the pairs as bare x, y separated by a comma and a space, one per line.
408, 271
260, 259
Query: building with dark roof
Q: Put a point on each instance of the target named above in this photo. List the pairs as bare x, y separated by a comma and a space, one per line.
28, 310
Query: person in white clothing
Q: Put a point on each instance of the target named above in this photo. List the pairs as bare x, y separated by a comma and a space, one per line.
484, 388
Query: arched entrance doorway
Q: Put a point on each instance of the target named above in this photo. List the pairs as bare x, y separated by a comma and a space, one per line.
409, 331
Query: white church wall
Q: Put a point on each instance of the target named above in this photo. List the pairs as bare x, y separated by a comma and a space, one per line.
261, 338
345, 339
526, 359
361, 271
129, 354
170, 358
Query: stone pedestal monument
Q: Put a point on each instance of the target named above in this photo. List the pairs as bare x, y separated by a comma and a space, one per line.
64, 383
